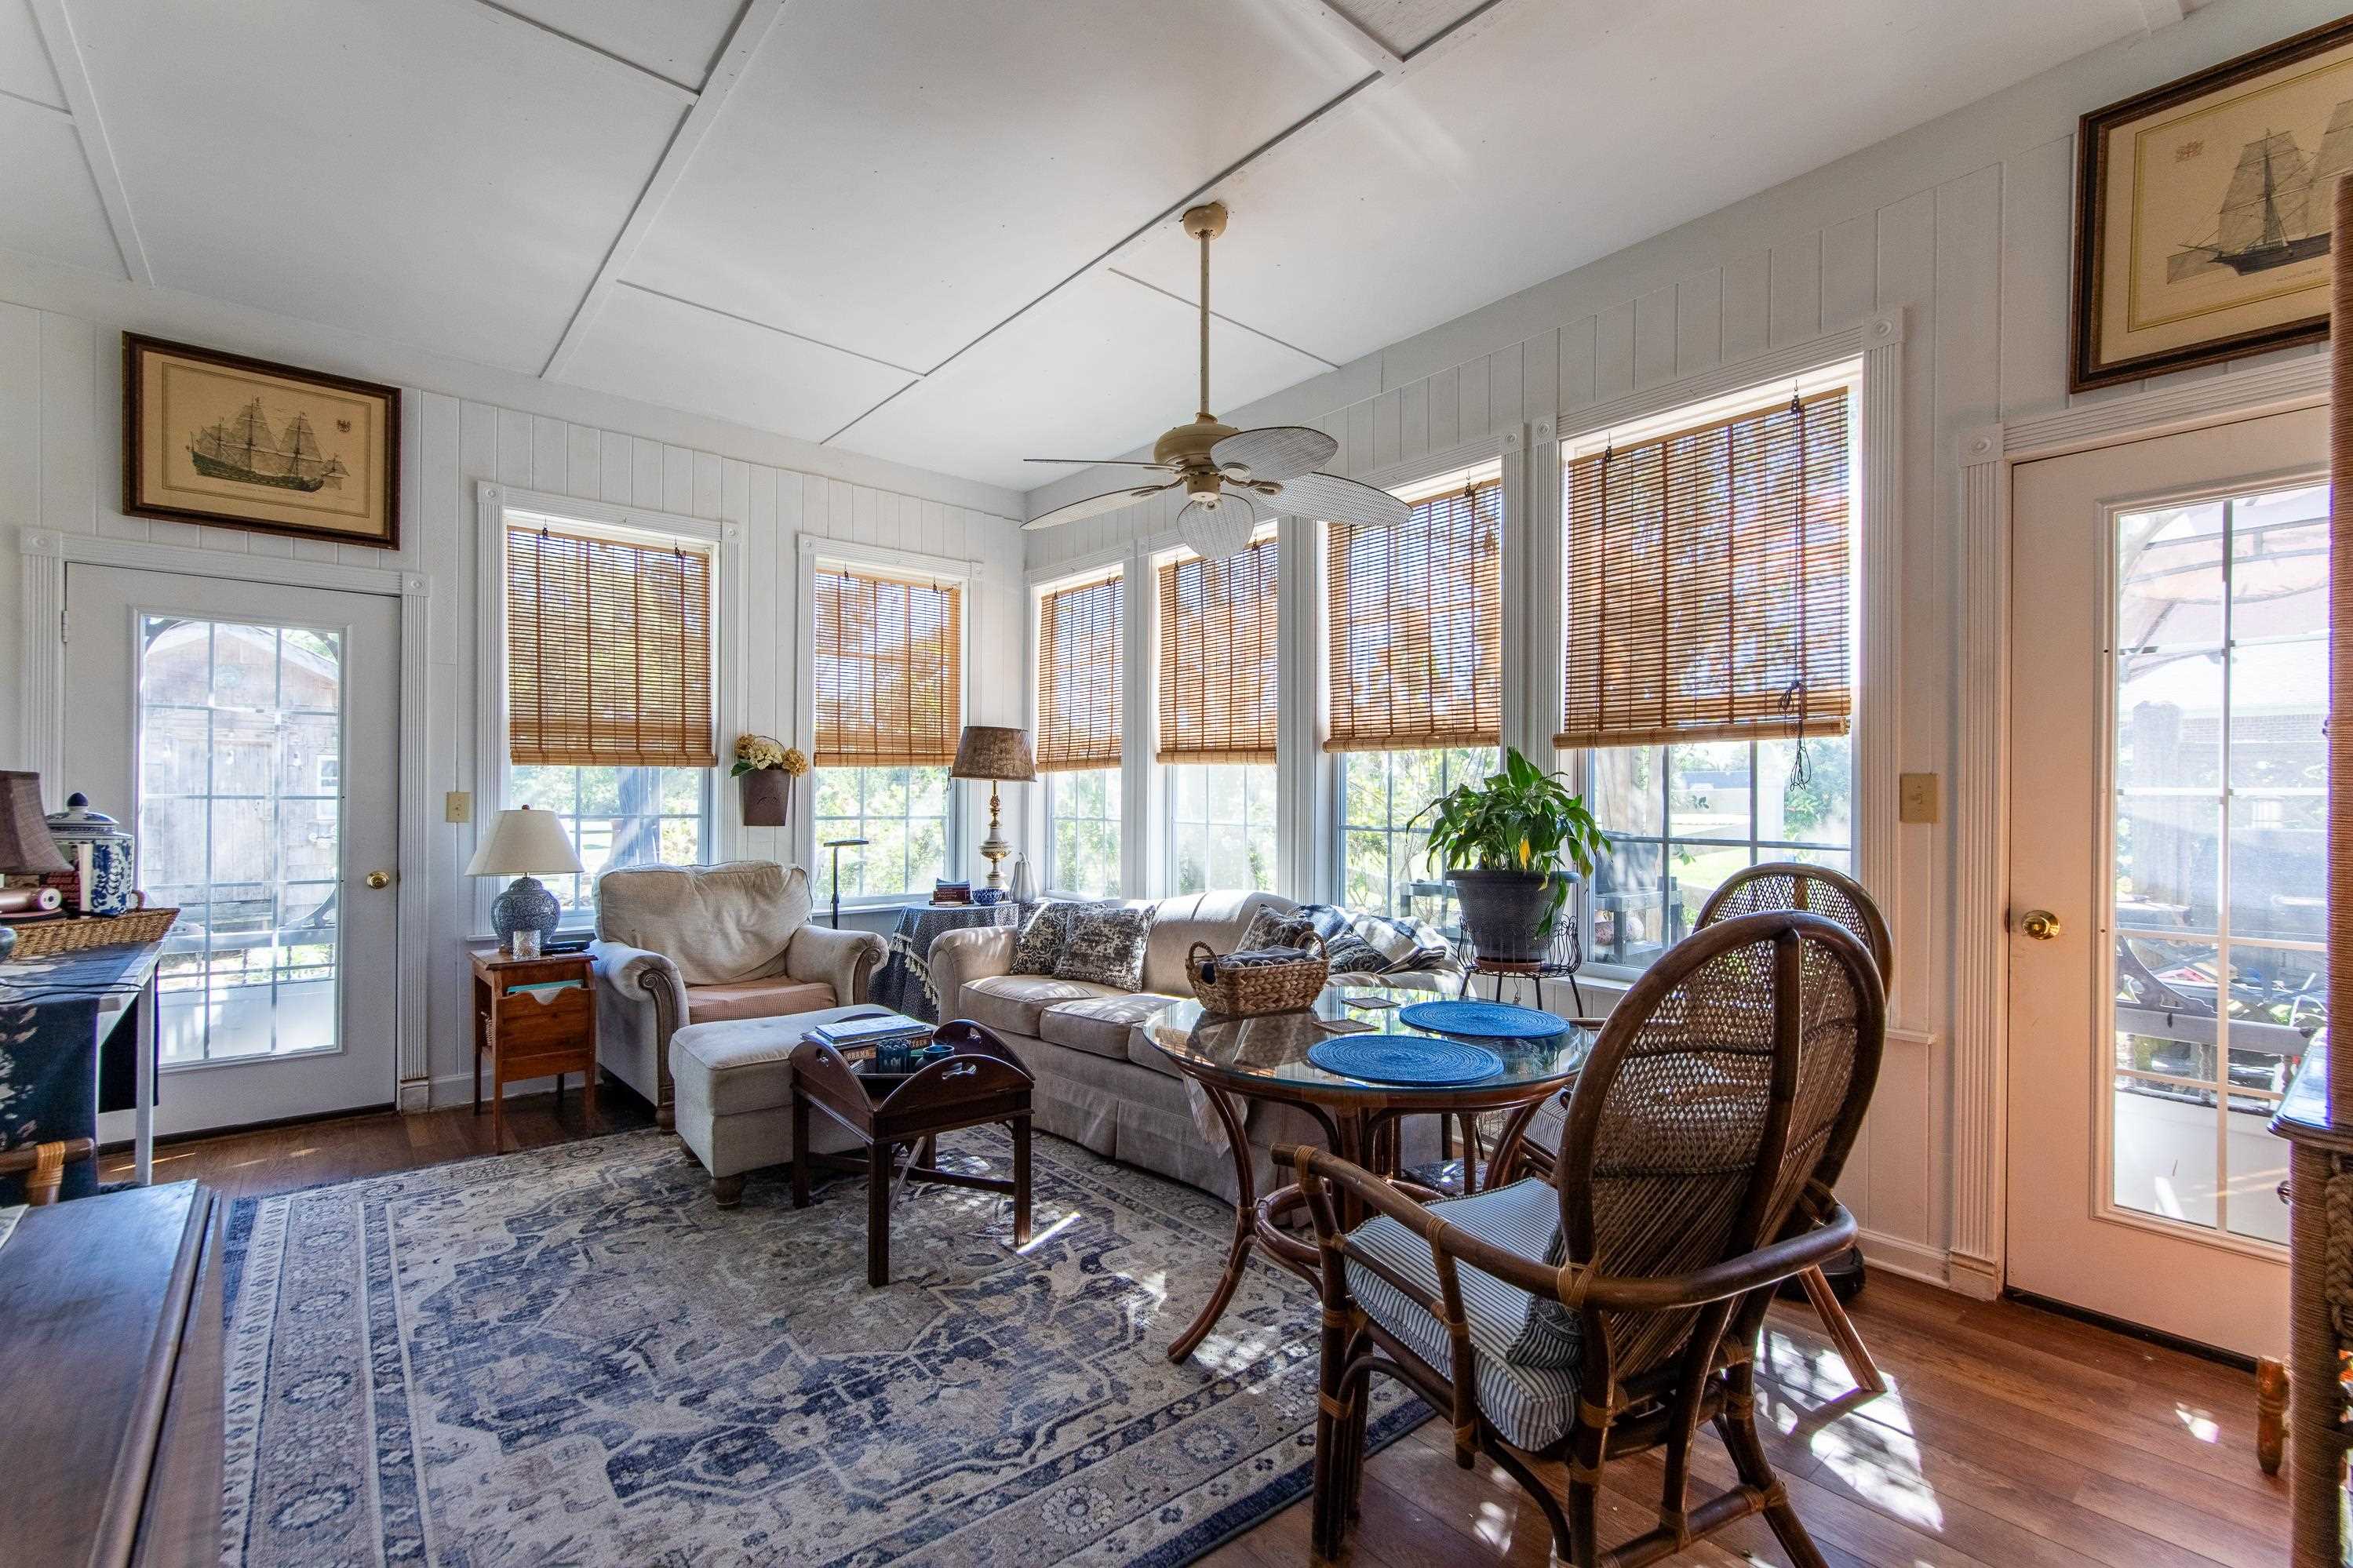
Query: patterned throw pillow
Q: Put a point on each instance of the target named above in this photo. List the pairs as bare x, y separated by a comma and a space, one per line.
1106, 945
1350, 953
1271, 927
1039, 946
1403, 944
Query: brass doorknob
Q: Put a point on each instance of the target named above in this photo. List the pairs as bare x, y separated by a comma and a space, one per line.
2040, 924
379, 880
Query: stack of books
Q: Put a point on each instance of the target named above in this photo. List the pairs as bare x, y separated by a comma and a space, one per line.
860, 1037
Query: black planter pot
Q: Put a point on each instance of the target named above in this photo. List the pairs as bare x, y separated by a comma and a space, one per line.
1504, 912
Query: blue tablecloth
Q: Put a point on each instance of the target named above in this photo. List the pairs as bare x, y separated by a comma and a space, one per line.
49, 1049
904, 982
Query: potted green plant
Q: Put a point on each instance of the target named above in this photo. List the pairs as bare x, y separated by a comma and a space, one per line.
1513, 846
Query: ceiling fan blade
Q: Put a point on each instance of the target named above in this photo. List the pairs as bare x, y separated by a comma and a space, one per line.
1100, 462
1274, 452
1215, 526
1334, 499
1110, 501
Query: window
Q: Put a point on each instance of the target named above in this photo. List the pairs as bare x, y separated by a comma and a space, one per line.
1079, 733
1416, 672
1083, 816
611, 722
1708, 601
1221, 827
1383, 865
1219, 716
890, 706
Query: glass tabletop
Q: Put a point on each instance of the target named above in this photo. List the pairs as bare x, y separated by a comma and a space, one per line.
1271, 1049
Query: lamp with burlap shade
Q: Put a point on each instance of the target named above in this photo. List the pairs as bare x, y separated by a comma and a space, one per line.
999, 753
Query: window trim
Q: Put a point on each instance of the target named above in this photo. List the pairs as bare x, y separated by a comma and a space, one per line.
815, 550
492, 502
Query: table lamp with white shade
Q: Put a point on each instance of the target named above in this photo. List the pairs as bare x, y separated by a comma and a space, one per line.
526, 845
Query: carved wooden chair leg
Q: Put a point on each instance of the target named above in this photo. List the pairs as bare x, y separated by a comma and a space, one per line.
2271, 1413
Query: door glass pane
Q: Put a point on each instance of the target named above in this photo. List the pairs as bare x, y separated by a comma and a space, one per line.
2221, 676
240, 769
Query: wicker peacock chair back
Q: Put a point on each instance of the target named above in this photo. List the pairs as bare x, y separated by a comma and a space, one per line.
1737, 1069
1816, 889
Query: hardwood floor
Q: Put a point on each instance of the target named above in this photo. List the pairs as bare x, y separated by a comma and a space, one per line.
2010, 1437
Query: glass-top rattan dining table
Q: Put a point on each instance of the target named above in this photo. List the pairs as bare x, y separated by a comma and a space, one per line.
1265, 1057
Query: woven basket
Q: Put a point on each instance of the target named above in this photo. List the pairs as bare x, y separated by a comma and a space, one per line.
40, 939
1246, 984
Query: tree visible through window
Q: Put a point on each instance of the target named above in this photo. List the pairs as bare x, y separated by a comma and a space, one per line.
1385, 866
617, 817
1083, 828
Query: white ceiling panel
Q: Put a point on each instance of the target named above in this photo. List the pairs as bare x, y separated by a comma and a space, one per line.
898, 177
24, 62
1559, 133
677, 39
1404, 26
48, 207
430, 171
645, 346
1104, 366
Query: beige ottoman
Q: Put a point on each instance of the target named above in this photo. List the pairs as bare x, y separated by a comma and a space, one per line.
734, 1085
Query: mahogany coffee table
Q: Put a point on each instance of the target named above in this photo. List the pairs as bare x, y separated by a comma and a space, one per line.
983, 1083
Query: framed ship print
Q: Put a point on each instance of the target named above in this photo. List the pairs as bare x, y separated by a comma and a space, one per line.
218, 439
2202, 212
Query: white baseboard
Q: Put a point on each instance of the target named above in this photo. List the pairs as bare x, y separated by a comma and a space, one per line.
1929, 1265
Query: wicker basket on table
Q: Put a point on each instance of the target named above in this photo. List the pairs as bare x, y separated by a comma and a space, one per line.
66, 934
1266, 980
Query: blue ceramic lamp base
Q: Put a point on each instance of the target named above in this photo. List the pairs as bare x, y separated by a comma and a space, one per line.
526, 905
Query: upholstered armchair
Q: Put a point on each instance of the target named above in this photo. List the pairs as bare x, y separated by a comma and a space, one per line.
695, 944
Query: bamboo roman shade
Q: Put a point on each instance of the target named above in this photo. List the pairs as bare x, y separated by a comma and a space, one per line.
889, 670
1078, 676
1417, 628
609, 653
1219, 695
1708, 575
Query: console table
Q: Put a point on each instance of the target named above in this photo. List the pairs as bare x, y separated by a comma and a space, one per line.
111, 1347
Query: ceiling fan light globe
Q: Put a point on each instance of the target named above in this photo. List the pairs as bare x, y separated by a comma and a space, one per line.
1214, 527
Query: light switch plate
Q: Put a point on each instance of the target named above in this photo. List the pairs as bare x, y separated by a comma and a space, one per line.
457, 806
1916, 800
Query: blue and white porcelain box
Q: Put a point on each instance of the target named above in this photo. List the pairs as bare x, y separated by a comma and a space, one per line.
106, 869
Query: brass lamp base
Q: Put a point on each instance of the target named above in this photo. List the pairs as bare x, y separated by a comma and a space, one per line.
994, 848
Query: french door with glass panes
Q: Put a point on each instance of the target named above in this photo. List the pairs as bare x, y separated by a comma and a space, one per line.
247, 733
2169, 685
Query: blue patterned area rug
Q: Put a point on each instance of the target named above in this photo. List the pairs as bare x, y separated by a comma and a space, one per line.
572, 1356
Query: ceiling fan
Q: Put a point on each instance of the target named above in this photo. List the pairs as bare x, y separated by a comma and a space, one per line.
1231, 476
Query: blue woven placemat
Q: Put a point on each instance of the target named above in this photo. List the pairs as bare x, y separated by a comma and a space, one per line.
1405, 1059
1495, 1020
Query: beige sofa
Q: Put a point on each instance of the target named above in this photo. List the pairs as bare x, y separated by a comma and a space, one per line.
1099, 1081
698, 944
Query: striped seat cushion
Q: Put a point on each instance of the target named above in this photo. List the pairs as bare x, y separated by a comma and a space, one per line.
1525, 1360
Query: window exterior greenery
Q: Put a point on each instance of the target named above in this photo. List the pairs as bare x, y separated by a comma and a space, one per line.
1683, 818
616, 817
1082, 833
1381, 857
1221, 827
903, 816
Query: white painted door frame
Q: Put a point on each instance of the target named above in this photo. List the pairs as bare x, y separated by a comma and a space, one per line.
1981, 764
41, 678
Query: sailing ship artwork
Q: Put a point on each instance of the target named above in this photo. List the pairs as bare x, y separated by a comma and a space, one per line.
2204, 209
245, 450
217, 438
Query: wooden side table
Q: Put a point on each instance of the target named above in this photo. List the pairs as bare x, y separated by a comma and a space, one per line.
534, 1017
983, 1082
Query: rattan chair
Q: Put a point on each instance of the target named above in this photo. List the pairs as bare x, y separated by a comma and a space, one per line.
1618, 1307
1793, 885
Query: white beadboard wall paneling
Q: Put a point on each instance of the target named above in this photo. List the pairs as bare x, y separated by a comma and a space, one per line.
61, 395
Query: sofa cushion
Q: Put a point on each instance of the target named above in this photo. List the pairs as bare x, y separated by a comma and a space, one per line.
1106, 945
717, 923
1218, 919
1100, 1027
1010, 1004
743, 1064
755, 999
1040, 947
